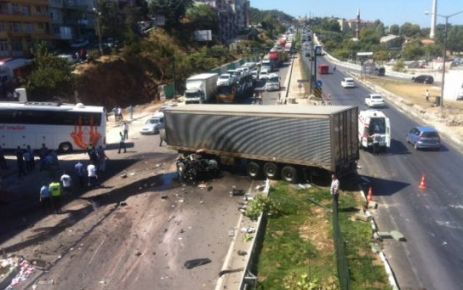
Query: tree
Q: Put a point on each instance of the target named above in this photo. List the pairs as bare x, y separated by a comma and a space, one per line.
172, 10
413, 50
203, 17
394, 29
455, 38
110, 22
50, 77
410, 30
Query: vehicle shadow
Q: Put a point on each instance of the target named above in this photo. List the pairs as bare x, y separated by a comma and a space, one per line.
398, 148
381, 186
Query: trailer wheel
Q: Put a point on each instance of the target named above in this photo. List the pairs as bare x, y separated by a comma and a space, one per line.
270, 170
289, 174
253, 169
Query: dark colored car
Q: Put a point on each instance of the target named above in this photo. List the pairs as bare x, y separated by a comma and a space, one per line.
423, 79
424, 138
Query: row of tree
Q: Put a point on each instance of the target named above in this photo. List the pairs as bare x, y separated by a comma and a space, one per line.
407, 46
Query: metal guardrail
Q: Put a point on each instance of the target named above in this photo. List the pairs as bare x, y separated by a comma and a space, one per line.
341, 258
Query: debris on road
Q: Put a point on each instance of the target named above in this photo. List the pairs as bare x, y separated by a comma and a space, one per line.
164, 196
242, 253
231, 233
248, 230
229, 271
236, 192
190, 264
124, 175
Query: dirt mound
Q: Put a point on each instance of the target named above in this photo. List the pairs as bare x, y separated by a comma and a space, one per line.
115, 82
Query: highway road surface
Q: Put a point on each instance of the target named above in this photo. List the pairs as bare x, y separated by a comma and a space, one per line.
431, 221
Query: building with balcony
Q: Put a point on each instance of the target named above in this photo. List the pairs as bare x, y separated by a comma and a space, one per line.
23, 22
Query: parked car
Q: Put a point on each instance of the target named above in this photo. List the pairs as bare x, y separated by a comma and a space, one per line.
423, 79
374, 101
153, 124
224, 79
263, 75
424, 138
348, 83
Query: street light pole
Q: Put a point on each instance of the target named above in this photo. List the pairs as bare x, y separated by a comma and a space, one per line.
444, 57
444, 53
98, 30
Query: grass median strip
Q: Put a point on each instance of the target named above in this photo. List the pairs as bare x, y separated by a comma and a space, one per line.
298, 251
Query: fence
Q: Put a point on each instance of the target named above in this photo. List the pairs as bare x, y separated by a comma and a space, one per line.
341, 259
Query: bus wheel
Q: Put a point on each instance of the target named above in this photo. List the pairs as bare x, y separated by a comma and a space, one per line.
65, 147
253, 169
270, 170
289, 174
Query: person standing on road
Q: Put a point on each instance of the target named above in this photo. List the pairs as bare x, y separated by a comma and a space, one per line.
80, 172
92, 176
162, 136
56, 192
126, 130
66, 182
102, 157
122, 143
45, 197
334, 190
427, 95
20, 161
31, 162
92, 154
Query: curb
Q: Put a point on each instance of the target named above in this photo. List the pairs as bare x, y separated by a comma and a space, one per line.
387, 266
221, 283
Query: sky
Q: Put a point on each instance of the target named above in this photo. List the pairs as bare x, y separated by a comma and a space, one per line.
388, 11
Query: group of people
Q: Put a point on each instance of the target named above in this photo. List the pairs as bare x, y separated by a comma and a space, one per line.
51, 194
97, 157
118, 114
25, 159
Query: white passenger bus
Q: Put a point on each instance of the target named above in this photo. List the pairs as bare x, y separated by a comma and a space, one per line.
62, 127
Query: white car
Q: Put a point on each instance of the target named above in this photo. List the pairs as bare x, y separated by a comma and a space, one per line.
153, 124
348, 83
224, 79
255, 74
374, 100
263, 75
273, 82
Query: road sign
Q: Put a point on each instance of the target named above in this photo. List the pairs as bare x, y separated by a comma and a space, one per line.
318, 84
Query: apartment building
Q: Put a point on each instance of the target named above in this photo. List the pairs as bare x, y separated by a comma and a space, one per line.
232, 15
23, 22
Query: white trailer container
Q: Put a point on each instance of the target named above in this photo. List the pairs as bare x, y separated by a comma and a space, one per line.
201, 88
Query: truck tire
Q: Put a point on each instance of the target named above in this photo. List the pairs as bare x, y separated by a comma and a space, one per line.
253, 169
270, 170
289, 174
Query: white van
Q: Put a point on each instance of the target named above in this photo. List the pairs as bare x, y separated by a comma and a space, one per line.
374, 130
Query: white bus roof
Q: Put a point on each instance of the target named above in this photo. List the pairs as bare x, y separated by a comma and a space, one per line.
51, 107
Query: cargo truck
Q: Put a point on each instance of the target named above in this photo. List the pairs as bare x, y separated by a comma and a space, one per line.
201, 88
275, 141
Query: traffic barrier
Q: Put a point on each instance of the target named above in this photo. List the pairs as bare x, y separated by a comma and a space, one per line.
423, 184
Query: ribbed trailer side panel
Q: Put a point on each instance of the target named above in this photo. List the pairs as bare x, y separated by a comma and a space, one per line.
296, 140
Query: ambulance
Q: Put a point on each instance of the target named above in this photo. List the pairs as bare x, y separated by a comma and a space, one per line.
374, 130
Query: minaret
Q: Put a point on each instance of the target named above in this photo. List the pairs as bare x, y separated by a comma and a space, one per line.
433, 19
357, 28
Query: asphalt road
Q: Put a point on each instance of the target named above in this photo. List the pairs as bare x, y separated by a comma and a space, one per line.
431, 221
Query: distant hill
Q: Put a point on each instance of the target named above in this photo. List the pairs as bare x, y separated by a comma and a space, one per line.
257, 16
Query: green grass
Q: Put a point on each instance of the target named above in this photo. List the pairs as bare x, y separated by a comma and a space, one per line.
300, 241
365, 270
284, 251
